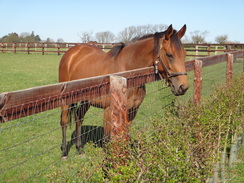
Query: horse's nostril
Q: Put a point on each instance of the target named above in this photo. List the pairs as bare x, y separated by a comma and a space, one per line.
181, 88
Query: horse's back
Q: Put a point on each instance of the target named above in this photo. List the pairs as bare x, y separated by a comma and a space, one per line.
73, 58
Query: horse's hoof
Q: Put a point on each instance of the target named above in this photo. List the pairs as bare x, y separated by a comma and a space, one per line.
64, 158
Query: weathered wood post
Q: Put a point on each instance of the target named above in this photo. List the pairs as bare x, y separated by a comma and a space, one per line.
208, 49
58, 45
28, 48
229, 68
43, 48
197, 81
119, 119
14, 46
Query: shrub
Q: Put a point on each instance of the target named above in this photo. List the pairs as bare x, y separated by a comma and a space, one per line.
186, 144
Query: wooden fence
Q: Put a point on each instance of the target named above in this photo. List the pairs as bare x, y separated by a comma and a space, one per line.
17, 104
202, 50
193, 50
23, 103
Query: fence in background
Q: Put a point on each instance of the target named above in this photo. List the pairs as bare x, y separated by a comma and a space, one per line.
18, 107
193, 50
202, 50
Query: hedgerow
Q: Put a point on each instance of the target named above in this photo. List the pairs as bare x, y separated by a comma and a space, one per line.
186, 145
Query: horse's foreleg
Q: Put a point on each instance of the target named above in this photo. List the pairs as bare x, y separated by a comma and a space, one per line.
81, 111
79, 145
63, 123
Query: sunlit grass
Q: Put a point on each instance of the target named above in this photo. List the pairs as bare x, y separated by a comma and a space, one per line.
20, 71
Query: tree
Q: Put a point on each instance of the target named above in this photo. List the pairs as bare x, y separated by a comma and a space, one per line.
85, 36
105, 37
4, 38
158, 28
127, 34
49, 40
60, 40
27, 37
138, 31
186, 39
32, 35
37, 38
221, 39
11, 37
198, 37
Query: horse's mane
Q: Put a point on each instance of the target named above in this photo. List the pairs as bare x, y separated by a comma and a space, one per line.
114, 52
116, 49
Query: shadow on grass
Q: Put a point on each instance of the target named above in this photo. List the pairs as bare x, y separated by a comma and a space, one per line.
94, 134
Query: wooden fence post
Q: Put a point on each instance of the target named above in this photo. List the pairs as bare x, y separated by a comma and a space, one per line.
43, 48
229, 68
119, 119
197, 81
58, 45
14, 46
209, 49
28, 48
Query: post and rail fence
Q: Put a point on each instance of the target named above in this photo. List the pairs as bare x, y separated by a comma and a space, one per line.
193, 50
23, 103
16, 104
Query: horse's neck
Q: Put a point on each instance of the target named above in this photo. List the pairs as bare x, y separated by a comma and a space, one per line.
138, 55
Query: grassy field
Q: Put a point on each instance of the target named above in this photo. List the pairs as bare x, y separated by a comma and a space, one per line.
20, 71
30, 147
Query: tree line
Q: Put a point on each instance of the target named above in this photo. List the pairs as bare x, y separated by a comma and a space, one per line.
126, 35
25, 37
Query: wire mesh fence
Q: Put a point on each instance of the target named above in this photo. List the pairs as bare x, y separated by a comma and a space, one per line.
30, 148
30, 145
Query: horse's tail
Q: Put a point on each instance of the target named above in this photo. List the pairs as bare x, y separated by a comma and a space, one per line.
72, 113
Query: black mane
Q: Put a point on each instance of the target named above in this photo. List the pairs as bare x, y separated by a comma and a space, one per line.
114, 52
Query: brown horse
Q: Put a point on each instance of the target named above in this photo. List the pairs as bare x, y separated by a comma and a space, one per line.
163, 50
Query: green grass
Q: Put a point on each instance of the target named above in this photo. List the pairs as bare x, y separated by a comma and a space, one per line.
20, 71
38, 137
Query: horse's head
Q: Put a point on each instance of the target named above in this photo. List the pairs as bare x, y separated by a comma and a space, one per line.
171, 58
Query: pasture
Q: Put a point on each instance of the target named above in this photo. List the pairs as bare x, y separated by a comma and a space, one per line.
21, 71
35, 140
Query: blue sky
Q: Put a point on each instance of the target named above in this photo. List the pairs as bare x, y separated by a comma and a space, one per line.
67, 18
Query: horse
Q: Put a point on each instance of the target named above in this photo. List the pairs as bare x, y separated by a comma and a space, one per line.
163, 50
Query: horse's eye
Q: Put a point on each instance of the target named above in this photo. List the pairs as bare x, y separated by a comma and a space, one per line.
169, 55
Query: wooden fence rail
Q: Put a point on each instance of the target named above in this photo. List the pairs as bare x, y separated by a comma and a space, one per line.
193, 50
17, 104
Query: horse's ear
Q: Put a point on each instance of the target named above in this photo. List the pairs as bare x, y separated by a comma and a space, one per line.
169, 32
181, 32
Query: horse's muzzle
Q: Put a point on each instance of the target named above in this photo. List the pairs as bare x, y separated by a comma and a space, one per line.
181, 90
